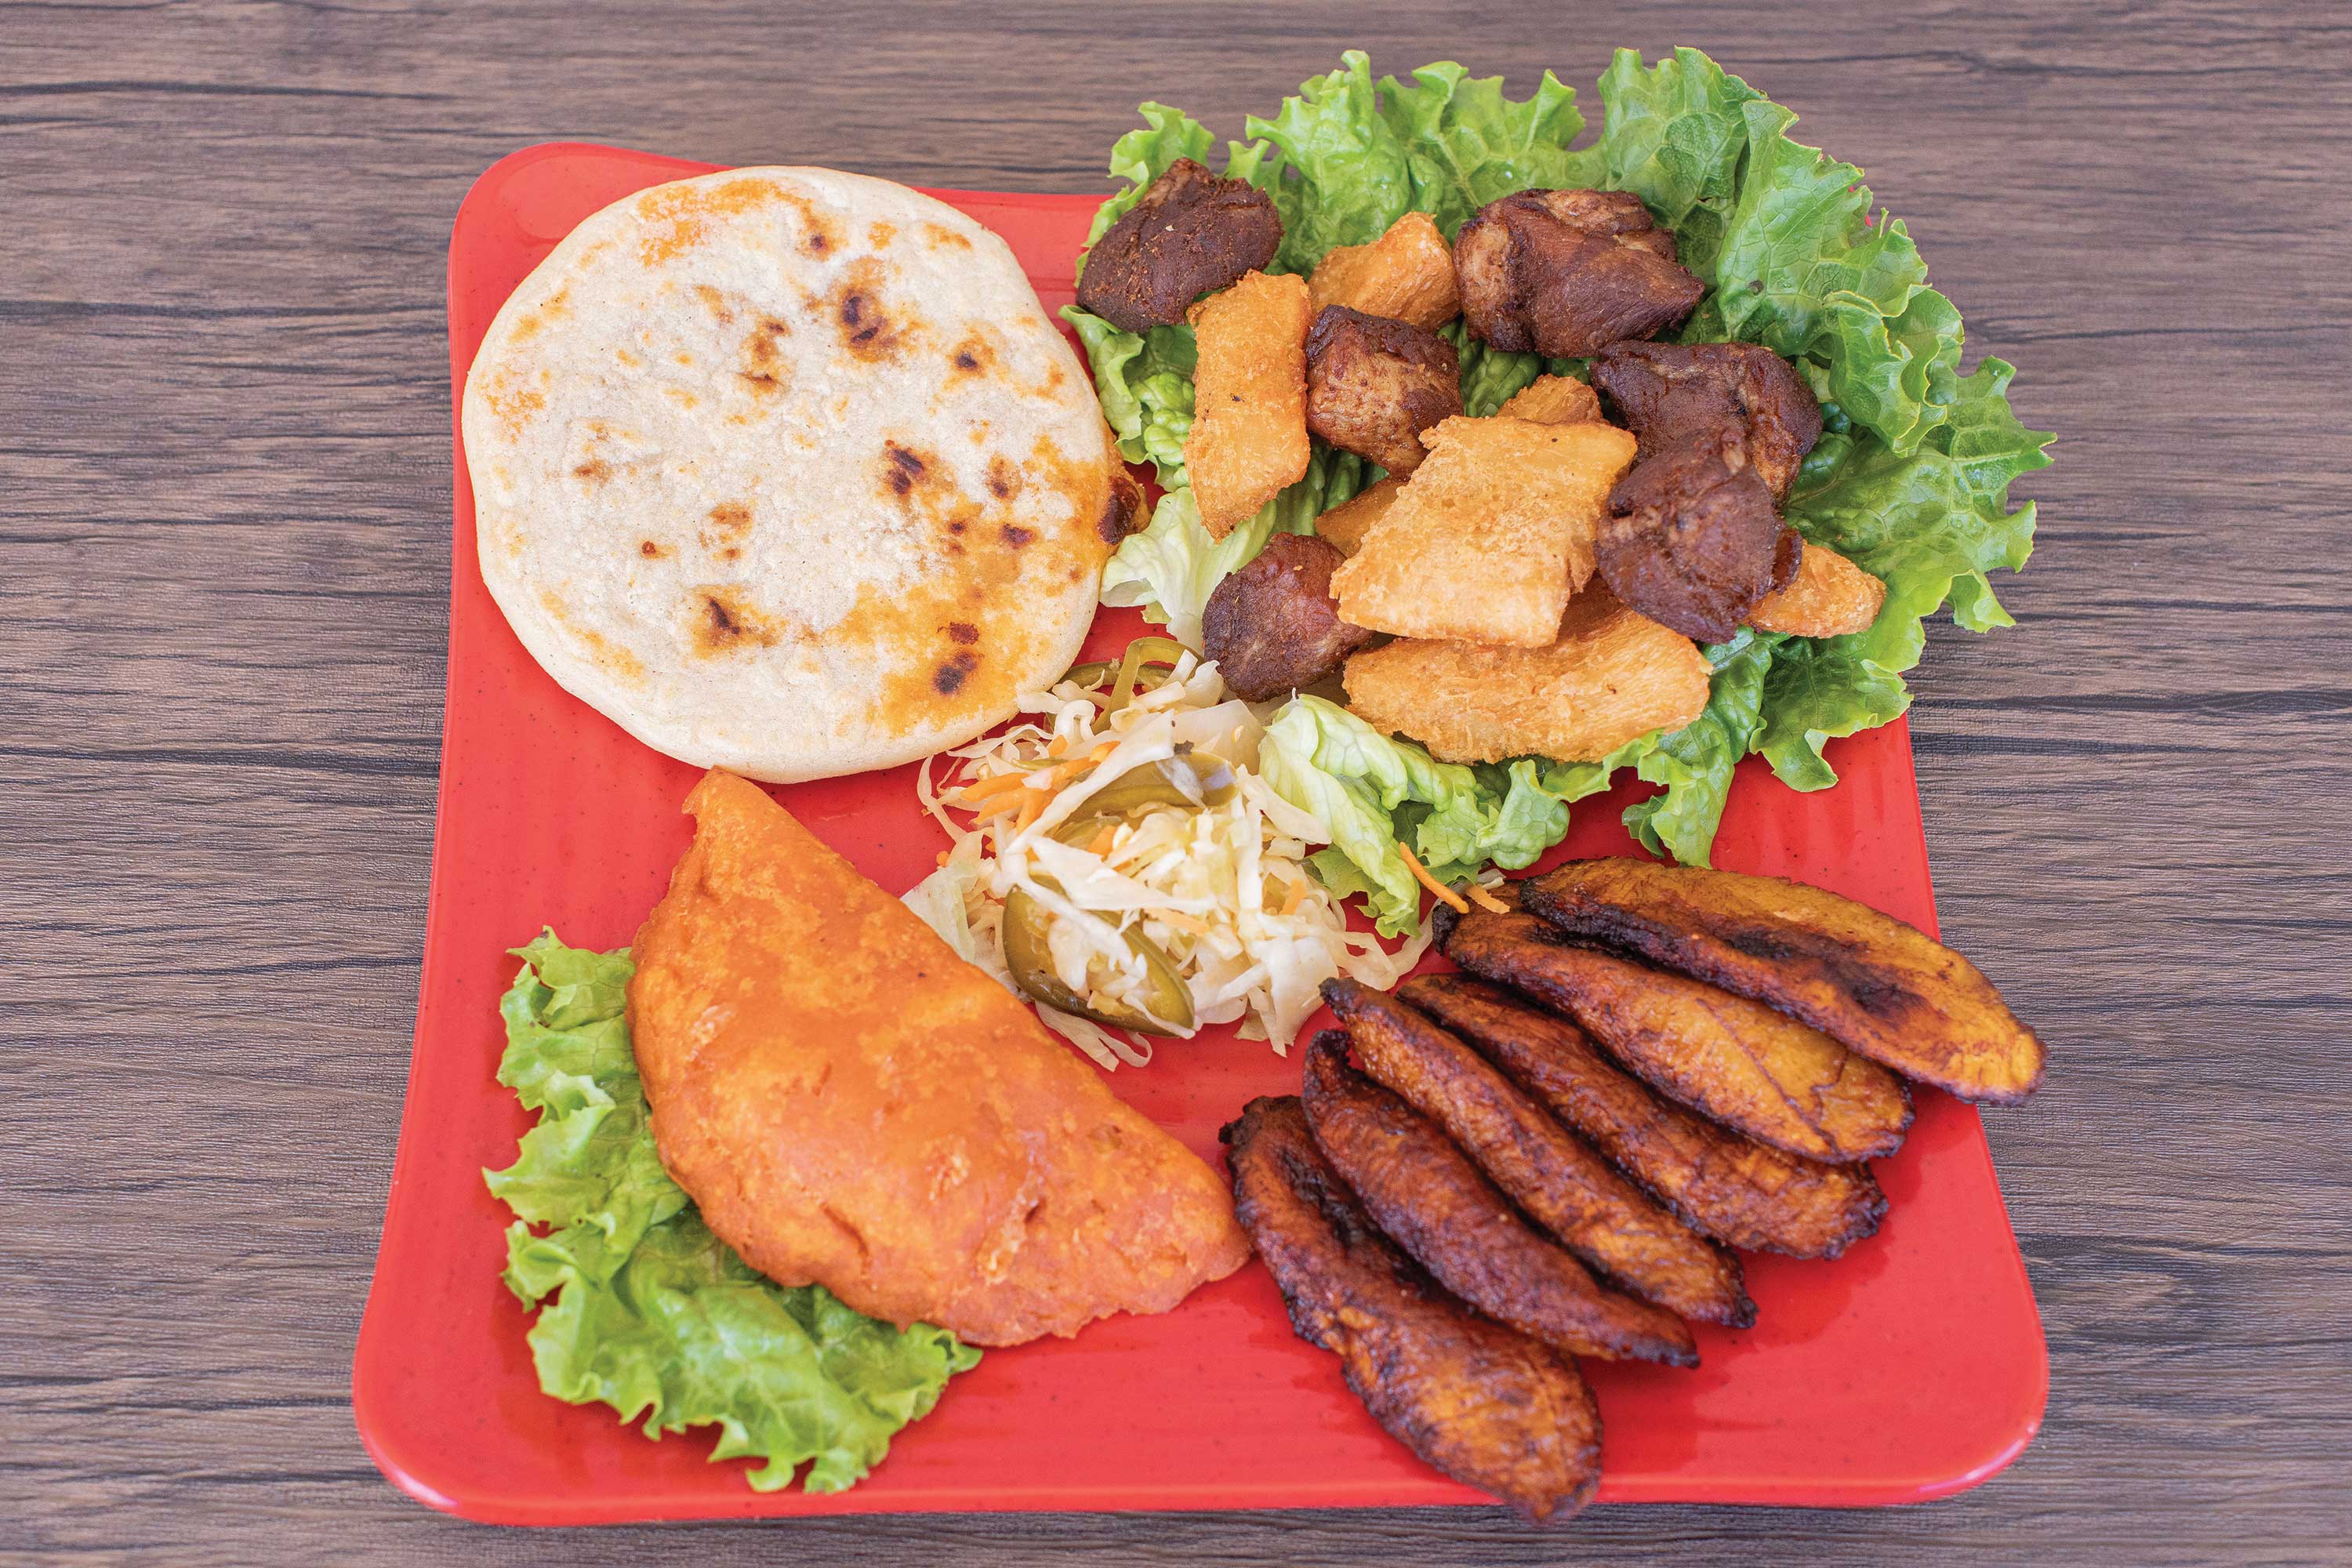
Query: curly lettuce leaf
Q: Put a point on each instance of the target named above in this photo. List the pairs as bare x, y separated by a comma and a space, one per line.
1697, 761
1145, 386
640, 1306
1141, 156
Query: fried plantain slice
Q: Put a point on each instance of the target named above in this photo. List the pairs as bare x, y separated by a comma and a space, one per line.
1742, 1192
1560, 1182
1433, 1202
1723, 1056
1485, 1403
1878, 987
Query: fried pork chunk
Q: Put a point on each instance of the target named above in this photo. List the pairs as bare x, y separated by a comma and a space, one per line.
1885, 990
1193, 232
1483, 1403
1565, 272
1693, 538
1407, 273
1742, 1192
1273, 626
1609, 676
1249, 398
1667, 391
1433, 1202
1556, 1179
1374, 384
1490, 537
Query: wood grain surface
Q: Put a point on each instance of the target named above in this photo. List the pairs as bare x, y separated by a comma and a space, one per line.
225, 481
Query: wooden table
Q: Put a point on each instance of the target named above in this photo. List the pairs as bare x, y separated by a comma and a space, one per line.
224, 475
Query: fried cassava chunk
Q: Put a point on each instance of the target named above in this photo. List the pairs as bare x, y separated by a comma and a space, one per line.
1374, 384
1830, 597
1407, 273
1723, 1056
1433, 1202
1491, 535
1562, 1184
1485, 1403
1191, 232
1611, 675
1345, 525
1742, 1192
1249, 398
1564, 273
1272, 627
1553, 400
1883, 988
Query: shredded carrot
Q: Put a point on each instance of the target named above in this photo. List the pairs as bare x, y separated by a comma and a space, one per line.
943, 858
1031, 810
1487, 900
1057, 745
1445, 895
1289, 905
1005, 801
1100, 842
972, 792
1184, 922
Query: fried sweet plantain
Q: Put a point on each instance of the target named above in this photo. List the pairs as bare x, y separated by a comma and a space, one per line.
1433, 1202
1485, 1403
1723, 1056
1249, 398
1883, 988
1561, 1184
1742, 1192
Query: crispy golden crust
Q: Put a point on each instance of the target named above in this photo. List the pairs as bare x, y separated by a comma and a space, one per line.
1723, 1056
1345, 525
1433, 1202
1485, 1403
1831, 597
1612, 675
1562, 1184
1492, 534
1742, 1192
1553, 400
852, 1104
1881, 988
1249, 398
1407, 273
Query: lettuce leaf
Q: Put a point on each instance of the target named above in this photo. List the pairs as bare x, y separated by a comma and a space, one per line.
640, 1306
1145, 386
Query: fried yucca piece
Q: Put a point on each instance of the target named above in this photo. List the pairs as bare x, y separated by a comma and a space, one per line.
1345, 525
1882, 989
1613, 674
1723, 1056
1249, 398
1832, 597
1490, 536
1407, 273
1553, 400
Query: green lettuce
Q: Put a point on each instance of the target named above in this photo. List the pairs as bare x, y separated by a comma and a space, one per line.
1911, 481
640, 1306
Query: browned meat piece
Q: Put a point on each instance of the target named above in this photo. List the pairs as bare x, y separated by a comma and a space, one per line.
1431, 1201
1566, 272
1273, 626
1485, 1403
1562, 1184
1882, 988
1742, 1192
1192, 233
1374, 384
1690, 539
1667, 391
1723, 1056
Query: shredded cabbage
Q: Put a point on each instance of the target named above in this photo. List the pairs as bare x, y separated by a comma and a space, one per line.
1225, 890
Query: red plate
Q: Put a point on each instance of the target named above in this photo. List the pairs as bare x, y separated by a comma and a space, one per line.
1910, 1368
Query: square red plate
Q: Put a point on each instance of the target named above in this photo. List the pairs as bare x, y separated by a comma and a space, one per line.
1910, 1368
